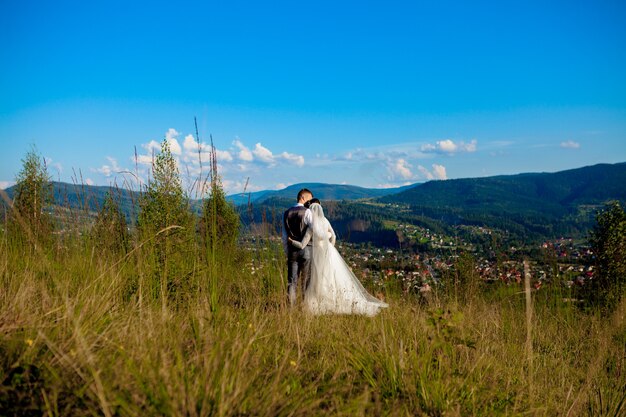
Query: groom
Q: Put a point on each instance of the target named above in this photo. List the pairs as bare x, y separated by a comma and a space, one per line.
296, 220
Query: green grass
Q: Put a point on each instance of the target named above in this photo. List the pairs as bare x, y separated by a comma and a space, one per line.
76, 339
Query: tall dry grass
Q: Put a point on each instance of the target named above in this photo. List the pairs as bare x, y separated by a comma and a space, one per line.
74, 340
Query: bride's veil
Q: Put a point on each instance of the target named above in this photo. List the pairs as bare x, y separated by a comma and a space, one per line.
325, 264
320, 227
320, 260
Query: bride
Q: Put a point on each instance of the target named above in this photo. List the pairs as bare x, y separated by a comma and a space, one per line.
333, 288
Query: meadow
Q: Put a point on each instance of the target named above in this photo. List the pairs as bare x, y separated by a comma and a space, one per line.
79, 335
173, 316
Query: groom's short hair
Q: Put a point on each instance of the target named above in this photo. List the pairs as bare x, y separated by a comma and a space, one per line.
304, 191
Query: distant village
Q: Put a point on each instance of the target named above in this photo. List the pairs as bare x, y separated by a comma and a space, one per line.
561, 261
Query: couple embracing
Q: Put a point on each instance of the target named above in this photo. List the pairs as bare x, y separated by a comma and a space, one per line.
309, 243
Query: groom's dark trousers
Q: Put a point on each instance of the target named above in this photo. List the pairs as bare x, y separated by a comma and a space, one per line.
298, 262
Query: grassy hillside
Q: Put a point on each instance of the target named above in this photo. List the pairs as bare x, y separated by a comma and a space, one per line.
78, 336
156, 327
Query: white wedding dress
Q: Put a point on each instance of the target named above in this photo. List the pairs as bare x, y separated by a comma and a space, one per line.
333, 288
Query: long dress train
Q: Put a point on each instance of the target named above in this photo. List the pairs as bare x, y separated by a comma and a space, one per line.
333, 287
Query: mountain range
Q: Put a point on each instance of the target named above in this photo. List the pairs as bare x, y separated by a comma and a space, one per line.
530, 205
321, 191
526, 207
532, 191
534, 205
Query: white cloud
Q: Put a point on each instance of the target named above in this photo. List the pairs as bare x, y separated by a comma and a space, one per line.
190, 144
570, 144
239, 187
6, 184
175, 147
171, 137
439, 172
205, 157
231, 187
108, 170
152, 146
263, 154
403, 169
426, 174
223, 156
171, 133
389, 185
105, 170
470, 147
244, 153
448, 146
193, 159
191, 154
293, 158
89, 181
389, 154
144, 159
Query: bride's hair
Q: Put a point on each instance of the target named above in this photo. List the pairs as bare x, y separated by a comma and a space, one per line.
317, 209
312, 201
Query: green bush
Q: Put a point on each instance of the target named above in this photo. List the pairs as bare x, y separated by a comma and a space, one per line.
608, 242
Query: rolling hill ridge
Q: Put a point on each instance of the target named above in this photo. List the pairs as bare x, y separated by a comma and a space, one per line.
531, 206
537, 191
321, 191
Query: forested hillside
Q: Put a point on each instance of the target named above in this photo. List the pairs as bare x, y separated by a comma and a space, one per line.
321, 191
524, 192
528, 207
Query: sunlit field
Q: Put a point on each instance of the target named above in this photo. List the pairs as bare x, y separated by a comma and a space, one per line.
81, 335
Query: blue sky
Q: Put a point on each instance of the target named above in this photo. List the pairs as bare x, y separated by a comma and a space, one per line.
374, 94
